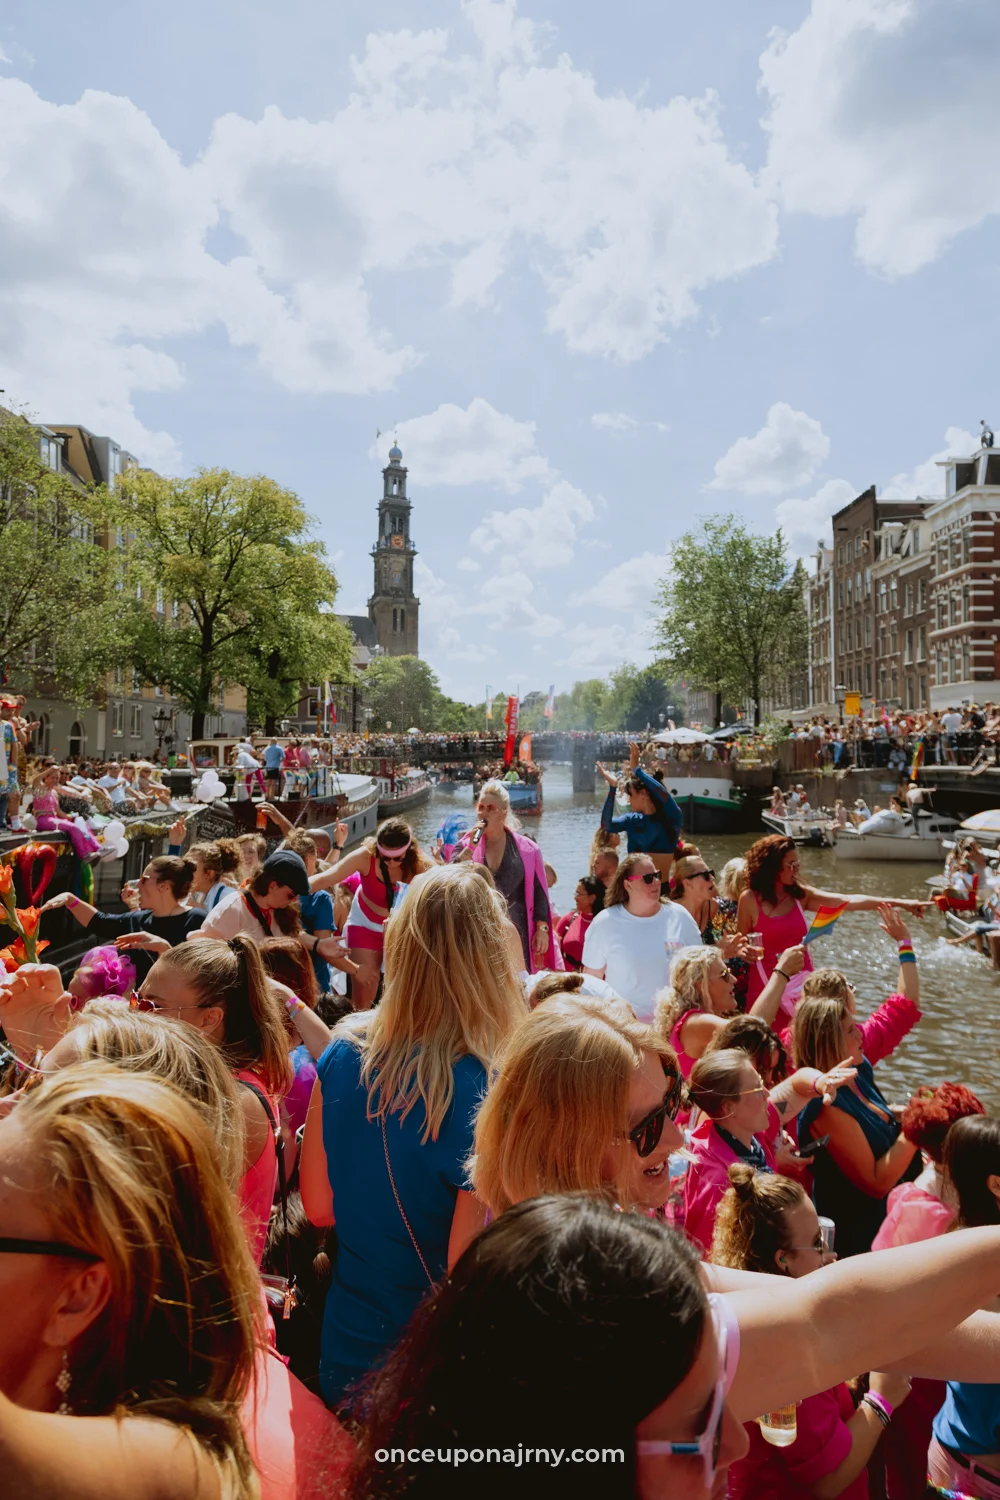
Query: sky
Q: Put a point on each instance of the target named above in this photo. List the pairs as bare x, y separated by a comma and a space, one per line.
602, 270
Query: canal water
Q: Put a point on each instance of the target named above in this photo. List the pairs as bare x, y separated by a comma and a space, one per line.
960, 994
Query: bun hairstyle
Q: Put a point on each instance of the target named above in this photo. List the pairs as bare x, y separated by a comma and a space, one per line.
931, 1113
220, 857
750, 1224
566, 983
232, 976
971, 1155
826, 984
170, 869
715, 1081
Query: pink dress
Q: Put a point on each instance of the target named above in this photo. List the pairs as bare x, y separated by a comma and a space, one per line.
257, 1185
778, 933
300, 1449
685, 1061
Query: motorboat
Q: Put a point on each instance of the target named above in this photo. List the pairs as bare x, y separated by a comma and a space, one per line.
817, 829
912, 838
984, 827
402, 788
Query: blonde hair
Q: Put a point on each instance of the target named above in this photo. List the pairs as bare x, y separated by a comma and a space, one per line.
450, 991
496, 789
108, 1031
750, 1225
733, 879
688, 989
127, 1171
559, 1099
715, 1080
818, 1032
829, 984
232, 976
683, 870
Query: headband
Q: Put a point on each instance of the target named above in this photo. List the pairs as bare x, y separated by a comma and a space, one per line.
395, 851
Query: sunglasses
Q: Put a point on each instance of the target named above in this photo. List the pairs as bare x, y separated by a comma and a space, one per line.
703, 875
645, 1136
651, 877
709, 1444
10, 1246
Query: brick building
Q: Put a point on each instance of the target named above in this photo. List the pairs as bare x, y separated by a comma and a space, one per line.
819, 608
964, 622
901, 578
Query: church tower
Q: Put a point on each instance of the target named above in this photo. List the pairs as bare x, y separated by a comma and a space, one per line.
393, 608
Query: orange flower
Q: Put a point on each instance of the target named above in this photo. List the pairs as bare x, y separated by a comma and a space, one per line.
13, 957
6, 879
29, 919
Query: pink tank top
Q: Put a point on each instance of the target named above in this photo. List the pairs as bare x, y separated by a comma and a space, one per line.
777, 933
257, 1185
45, 804
371, 891
685, 1062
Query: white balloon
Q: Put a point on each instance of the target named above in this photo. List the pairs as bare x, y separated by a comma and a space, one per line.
114, 831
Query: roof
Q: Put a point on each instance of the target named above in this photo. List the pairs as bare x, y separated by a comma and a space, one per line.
362, 629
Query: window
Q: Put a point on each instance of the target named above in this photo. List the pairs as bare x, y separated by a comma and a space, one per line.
911, 701
402, 621
868, 583
922, 643
840, 594
881, 640
966, 663
850, 636
868, 678
136, 687
966, 547
850, 590
883, 597
922, 683
916, 548
908, 599
893, 641
966, 604
857, 587
908, 657
942, 667
160, 605
840, 557
135, 721
158, 691
956, 552
175, 609
893, 594
921, 594
118, 718
868, 630
882, 683
953, 609
953, 663
850, 679
857, 545
895, 683
119, 677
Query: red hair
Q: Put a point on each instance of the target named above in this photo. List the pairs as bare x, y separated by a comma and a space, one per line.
931, 1113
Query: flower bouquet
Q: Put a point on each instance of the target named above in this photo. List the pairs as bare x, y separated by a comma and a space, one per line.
24, 923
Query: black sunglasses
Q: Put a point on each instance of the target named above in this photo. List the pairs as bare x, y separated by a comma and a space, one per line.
9, 1246
704, 874
645, 1136
649, 878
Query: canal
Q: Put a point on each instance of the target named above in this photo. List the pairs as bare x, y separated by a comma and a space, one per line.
960, 993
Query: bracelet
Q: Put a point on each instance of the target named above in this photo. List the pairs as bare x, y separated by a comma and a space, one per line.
815, 1082
906, 954
786, 977
294, 1004
879, 1406
72, 903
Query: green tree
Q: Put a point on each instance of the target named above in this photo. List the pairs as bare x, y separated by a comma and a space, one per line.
637, 696
582, 707
61, 624
234, 551
730, 611
402, 691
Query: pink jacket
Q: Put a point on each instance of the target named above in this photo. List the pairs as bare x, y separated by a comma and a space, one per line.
707, 1176
534, 866
886, 1027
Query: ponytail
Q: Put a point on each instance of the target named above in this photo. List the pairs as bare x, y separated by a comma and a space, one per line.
232, 976
750, 1222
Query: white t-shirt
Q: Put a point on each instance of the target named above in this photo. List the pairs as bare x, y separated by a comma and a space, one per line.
636, 953
231, 917
952, 723
246, 762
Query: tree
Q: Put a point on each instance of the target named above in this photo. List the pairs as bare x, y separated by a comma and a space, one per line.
730, 611
234, 551
637, 696
402, 691
61, 624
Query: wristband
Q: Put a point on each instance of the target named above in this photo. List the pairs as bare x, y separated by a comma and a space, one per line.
786, 977
879, 1406
906, 954
294, 1003
815, 1085
72, 903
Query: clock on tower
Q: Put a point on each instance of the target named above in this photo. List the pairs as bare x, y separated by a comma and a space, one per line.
393, 607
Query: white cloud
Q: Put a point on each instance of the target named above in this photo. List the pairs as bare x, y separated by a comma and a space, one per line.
926, 478
540, 536
885, 110
806, 522
787, 451
598, 649
629, 587
474, 445
4, 58
459, 148
468, 565
613, 421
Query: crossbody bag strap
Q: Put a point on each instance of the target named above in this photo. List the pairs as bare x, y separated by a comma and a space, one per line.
402, 1210
256, 912
279, 1151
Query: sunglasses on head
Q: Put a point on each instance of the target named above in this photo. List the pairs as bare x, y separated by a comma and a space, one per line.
645, 1136
651, 877
11, 1246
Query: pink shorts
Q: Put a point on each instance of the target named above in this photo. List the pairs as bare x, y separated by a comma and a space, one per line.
967, 1478
362, 931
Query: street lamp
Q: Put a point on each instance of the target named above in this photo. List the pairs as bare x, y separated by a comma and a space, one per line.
161, 723
839, 694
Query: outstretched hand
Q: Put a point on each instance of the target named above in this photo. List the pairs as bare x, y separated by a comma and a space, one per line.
893, 925
34, 1009
827, 1084
609, 776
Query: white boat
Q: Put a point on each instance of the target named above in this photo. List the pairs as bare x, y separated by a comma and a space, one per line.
816, 829
984, 827
915, 839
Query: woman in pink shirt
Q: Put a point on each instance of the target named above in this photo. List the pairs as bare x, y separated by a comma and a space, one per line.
767, 1224
571, 929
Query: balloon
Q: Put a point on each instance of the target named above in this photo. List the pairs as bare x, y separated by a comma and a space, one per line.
114, 831
210, 786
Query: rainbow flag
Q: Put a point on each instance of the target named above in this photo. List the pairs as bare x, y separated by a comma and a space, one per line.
918, 759
823, 920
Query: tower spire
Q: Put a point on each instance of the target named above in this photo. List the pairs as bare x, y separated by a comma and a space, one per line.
393, 607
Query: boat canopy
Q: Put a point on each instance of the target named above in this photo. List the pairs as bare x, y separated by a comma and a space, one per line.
983, 822
681, 736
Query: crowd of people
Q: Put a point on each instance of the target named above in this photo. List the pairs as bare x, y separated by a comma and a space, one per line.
364, 1174
967, 735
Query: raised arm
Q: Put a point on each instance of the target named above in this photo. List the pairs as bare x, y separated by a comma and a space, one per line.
664, 802
908, 981
791, 1096
813, 900
81, 910
768, 1002
353, 864
807, 1334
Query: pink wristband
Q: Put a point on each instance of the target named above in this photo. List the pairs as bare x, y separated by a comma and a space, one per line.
883, 1405
293, 1003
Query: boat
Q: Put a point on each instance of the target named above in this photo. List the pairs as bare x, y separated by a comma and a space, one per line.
705, 789
403, 788
921, 838
815, 829
451, 779
984, 827
317, 798
525, 793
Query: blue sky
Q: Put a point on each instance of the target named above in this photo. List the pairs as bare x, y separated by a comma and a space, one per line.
606, 269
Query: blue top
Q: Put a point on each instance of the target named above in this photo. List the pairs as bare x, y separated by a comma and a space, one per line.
317, 916
377, 1276
856, 1214
646, 833
969, 1420
273, 756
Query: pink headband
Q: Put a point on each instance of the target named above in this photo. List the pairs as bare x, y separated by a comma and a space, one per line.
396, 852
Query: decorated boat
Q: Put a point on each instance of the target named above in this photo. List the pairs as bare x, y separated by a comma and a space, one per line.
401, 788
702, 785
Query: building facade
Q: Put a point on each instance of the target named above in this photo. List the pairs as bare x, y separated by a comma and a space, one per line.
964, 622
393, 607
901, 577
819, 608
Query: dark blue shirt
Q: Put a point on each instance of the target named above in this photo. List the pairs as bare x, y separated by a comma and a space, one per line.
377, 1276
646, 833
317, 916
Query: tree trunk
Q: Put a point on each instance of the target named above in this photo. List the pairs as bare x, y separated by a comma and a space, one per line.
198, 726
270, 724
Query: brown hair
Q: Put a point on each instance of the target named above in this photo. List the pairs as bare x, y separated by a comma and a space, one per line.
715, 1080
394, 833
827, 984
300, 843
220, 857
971, 1155
232, 975
286, 960
554, 984
753, 1036
818, 1032
764, 860
169, 869
750, 1225
616, 890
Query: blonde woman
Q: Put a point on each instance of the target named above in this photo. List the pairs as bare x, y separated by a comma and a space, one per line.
390, 1120
516, 865
583, 1099
127, 1290
702, 998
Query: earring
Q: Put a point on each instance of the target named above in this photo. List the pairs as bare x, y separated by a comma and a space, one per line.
63, 1382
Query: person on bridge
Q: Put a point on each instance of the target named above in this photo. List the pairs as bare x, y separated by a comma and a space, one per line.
654, 823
